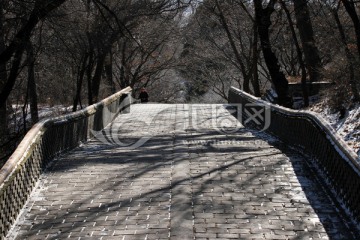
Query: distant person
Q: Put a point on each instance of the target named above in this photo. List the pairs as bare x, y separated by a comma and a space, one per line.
143, 96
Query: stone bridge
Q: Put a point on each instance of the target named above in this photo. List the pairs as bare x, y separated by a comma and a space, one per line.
164, 171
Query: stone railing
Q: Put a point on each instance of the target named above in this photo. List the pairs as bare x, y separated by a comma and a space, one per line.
44, 141
337, 165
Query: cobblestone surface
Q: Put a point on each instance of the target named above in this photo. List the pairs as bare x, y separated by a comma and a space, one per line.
188, 172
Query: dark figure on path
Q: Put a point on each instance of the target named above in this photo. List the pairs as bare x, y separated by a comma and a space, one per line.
144, 96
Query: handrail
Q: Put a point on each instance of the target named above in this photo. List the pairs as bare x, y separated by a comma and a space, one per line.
309, 132
43, 142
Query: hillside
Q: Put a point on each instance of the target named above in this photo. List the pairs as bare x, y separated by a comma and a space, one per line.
347, 127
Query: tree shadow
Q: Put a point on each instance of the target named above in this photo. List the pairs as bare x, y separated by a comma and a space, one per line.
241, 184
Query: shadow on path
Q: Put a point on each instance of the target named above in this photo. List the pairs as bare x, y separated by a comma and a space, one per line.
242, 185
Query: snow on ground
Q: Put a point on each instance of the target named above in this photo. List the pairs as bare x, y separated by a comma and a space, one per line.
16, 120
54, 111
348, 127
44, 111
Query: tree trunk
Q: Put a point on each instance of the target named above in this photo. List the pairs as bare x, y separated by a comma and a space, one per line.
32, 85
95, 84
299, 55
10, 82
246, 84
311, 52
123, 79
3, 77
79, 82
89, 70
255, 57
349, 57
278, 79
109, 72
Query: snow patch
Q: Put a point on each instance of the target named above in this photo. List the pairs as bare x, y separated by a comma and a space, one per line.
348, 128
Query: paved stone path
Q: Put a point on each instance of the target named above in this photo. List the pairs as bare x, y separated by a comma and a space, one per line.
197, 175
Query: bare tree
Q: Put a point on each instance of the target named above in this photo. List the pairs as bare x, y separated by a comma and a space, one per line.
226, 33
311, 52
349, 56
263, 20
299, 55
32, 93
351, 10
17, 45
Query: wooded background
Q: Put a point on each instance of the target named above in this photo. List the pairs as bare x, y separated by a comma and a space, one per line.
76, 52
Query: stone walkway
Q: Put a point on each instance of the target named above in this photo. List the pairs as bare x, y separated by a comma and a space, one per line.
188, 172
